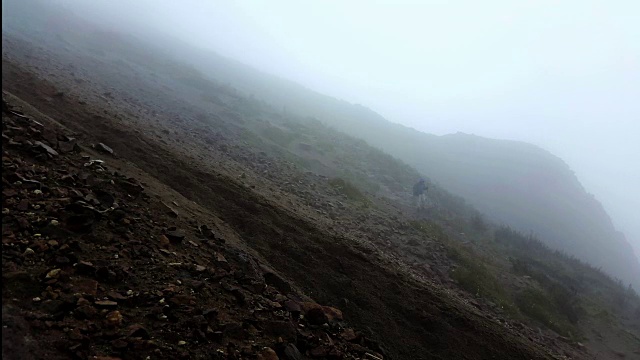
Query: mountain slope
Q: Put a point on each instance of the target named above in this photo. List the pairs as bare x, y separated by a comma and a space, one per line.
531, 189
327, 210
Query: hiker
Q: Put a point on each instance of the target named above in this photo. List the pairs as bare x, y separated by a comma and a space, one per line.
419, 190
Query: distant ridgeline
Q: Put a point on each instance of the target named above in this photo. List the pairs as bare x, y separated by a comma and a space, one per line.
514, 183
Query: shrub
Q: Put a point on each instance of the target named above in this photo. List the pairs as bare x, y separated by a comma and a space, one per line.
537, 305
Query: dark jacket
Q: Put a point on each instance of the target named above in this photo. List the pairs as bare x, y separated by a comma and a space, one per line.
419, 188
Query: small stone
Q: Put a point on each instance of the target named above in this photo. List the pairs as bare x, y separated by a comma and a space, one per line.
164, 241
104, 148
114, 318
106, 304
371, 356
222, 262
36, 299
119, 344
28, 252
182, 343
268, 354
85, 267
54, 222
53, 274
349, 335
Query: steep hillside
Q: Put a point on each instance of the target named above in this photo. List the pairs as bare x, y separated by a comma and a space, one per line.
329, 212
531, 190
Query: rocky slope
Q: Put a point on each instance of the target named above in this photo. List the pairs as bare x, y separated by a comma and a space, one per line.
95, 264
564, 215
381, 295
274, 186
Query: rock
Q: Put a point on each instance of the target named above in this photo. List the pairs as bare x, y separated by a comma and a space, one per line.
116, 296
285, 329
316, 316
119, 344
131, 187
349, 335
114, 318
23, 205
268, 354
222, 262
104, 198
82, 223
175, 236
53, 274
273, 279
107, 304
180, 299
164, 242
104, 148
137, 330
206, 232
371, 356
85, 267
85, 312
293, 307
67, 146
210, 314
320, 351
170, 211
319, 312
235, 331
291, 352
40, 146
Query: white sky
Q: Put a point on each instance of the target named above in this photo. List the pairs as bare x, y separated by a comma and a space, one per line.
564, 75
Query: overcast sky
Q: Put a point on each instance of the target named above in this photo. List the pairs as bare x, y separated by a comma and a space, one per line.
564, 75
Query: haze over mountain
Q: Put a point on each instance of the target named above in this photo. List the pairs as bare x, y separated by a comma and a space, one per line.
564, 76
290, 178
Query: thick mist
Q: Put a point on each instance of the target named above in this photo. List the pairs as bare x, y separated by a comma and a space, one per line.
562, 75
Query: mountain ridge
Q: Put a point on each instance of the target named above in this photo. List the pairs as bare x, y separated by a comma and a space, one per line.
363, 122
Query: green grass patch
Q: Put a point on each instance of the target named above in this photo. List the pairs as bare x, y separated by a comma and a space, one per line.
349, 190
279, 136
538, 305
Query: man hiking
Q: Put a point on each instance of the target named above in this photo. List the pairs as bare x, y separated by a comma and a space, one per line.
419, 190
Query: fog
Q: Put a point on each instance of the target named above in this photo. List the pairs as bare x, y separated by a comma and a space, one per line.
561, 75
